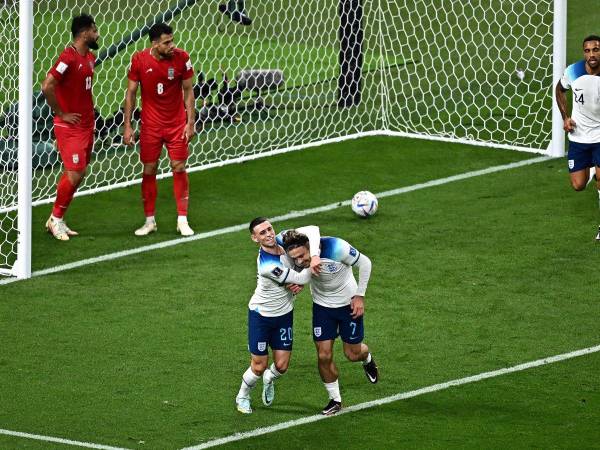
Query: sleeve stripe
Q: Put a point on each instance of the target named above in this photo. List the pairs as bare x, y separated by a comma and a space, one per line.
356, 260
285, 278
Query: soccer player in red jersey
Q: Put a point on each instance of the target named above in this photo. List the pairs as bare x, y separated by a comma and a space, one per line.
68, 91
168, 118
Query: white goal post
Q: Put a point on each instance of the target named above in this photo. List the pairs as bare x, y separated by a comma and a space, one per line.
279, 76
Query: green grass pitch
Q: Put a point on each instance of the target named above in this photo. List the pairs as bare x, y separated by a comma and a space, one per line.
146, 352
468, 277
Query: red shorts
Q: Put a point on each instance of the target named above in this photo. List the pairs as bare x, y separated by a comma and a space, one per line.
153, 139
74, 145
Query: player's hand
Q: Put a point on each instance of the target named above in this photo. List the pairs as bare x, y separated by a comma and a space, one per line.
189, 132
569, 125
128, 136
72, 118
294, 288
315, 265
358, 306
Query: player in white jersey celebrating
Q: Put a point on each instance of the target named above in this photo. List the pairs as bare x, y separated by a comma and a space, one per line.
583, 125
338, 306
271, 309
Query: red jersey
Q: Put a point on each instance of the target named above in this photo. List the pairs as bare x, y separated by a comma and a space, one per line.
161, 81
74, 74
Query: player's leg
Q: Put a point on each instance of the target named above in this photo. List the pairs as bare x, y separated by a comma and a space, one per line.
178, 150
324, 334
75, 149
329, 376
181, 190
281, 340
596, 169
259, 330
579, 160
352, 333
150, 148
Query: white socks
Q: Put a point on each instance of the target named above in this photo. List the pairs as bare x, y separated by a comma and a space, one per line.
150, 219
368, 360
333, 389
249, 380
271, 374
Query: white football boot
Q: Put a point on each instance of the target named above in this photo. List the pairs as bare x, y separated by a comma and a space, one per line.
148, 227
268, 393
183, 227
243, 405
58, 228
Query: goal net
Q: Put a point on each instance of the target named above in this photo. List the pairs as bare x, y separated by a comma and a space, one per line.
278, 75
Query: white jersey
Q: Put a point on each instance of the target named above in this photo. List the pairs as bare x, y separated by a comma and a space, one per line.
271, 298
335, 286
586, 103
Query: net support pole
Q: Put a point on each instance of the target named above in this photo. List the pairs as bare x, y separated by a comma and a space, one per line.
559, 62
22, 266
350, 35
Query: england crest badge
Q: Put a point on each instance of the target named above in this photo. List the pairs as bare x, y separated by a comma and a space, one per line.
262, 346
171, 73
317, 331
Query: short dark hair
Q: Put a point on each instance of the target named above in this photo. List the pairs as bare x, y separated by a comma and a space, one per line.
81, 23
158, 29
591, 37
256, 222
292, 239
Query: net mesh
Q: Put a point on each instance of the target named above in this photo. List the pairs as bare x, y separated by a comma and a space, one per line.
268, 78
9, 91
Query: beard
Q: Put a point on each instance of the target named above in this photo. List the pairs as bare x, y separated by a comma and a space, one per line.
93, 44
167, 54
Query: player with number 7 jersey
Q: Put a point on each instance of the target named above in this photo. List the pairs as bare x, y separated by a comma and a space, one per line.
164, 73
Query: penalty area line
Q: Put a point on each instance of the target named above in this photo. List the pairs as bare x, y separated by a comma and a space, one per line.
281, 218
395, 398
39, 437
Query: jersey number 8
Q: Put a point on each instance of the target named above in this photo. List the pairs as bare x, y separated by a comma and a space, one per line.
160, 88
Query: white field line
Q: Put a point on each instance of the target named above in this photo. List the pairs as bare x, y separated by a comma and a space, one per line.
290, 215
394, 398
38, 437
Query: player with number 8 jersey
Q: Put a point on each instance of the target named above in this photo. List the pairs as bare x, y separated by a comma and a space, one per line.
160, 80
164, 73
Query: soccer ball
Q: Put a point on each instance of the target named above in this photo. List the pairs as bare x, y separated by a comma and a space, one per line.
364, 204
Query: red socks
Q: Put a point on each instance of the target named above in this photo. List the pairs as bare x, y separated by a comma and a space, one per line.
149, 193
64, 194
181, 191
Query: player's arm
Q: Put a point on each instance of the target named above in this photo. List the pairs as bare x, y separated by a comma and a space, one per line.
363, 263
313, 234
561, 101
285, 275
299, 278
49, 89
190, 109
130, 99
350, 256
